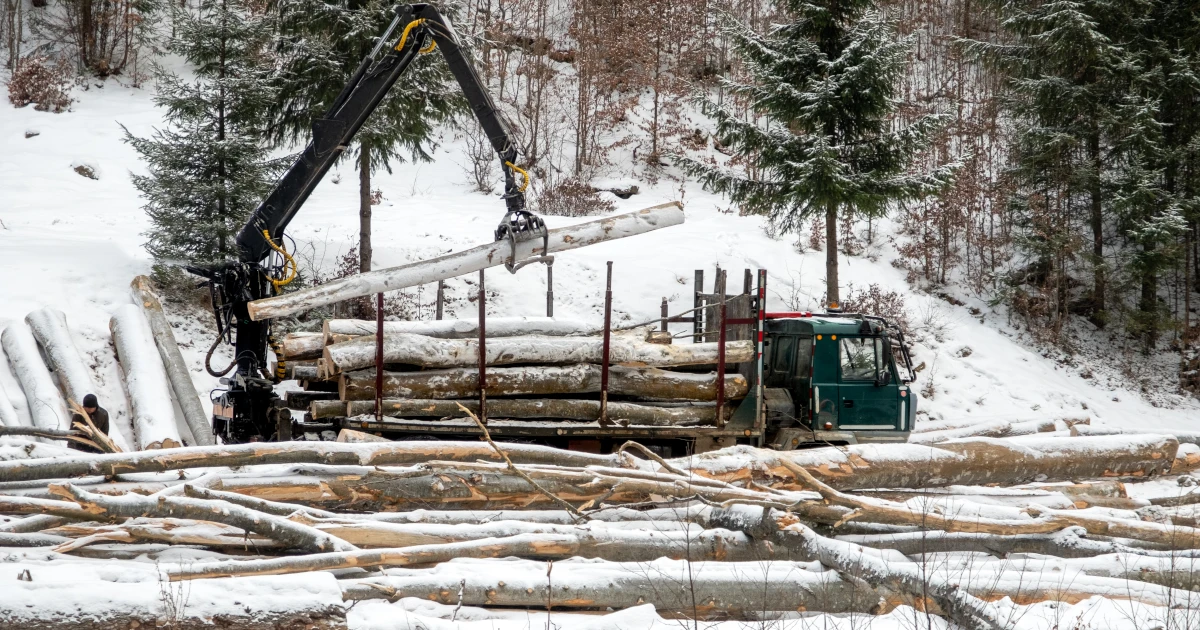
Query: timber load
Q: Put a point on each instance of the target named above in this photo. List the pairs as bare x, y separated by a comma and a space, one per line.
536, 369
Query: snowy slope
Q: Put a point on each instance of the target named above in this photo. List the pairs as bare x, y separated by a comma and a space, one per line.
74, 243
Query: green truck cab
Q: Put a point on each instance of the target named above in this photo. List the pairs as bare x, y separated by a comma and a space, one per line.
835, 378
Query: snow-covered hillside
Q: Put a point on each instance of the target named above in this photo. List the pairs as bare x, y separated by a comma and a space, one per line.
74, 243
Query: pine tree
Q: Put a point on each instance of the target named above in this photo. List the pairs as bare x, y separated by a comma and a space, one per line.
825, 144
321, 44
208, 166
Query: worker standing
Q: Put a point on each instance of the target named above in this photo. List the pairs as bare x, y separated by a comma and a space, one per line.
98, 416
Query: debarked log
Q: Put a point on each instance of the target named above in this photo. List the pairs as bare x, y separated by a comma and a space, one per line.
541, 381
178, 373
330, 453
527, 408
968, 461
445, 353
468, 261
459, 328
702, 589
47, 408
301, 346
146, 380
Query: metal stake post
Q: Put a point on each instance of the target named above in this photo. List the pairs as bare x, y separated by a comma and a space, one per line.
482, 350
721, 350
441, 298
379, 357
604, 357
697, 312
761, 316
550, 288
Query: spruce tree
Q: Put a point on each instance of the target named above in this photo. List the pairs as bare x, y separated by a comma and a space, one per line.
321, 43
824, 144
208, 166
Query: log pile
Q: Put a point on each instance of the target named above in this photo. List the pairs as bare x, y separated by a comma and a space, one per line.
537, 368
297, 533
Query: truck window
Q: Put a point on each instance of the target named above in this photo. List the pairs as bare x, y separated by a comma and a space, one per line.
860, 358
779, 360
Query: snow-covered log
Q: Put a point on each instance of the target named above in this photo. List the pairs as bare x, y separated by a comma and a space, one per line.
467, 261
539, 408
461, 328
446, 353
541, 381
131, 505
177, 370
969, 461
701, 589
49, 327
997, 428
8, 413
66, 594
328, 453
146, 381
47, 408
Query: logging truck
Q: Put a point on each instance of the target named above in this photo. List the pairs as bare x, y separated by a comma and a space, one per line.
784, 380
793, 379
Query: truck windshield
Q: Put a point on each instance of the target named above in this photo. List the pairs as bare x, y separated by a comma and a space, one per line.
860, 358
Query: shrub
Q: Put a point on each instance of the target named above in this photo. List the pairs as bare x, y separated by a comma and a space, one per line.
41, 81
573, 198
875, 300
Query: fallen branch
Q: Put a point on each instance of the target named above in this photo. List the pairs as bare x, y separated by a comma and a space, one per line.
292, 534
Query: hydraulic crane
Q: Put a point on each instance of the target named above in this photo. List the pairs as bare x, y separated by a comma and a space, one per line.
249, 409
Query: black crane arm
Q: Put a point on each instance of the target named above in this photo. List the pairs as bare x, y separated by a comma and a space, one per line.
249, 409
371, 81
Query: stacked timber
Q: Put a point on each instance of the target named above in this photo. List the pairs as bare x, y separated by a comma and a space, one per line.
537, 368
309, 530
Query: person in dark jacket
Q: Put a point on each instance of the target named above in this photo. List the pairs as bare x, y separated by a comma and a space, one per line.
98, 416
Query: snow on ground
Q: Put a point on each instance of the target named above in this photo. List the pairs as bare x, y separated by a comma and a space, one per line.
74, 243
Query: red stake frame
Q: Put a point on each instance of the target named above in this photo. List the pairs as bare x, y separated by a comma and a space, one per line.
604, 358
482, 349
379, 357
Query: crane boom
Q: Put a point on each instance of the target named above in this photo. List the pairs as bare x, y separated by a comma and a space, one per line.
249, 408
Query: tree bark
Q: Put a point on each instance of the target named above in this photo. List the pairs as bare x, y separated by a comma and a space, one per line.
177, 370
970, 461
461, 328
49, 328
471, 260
303, 346
104, 507
146, 380
543, 408
47, 408
444, 353
364, 206
648, 383
832, 296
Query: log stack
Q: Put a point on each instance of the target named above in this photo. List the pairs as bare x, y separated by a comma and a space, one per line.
295, 534
537, 368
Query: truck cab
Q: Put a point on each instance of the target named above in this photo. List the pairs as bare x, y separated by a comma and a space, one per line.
835, 378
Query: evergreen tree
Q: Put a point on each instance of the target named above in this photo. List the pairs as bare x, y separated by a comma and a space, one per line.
321, 43
826, 145
208, 167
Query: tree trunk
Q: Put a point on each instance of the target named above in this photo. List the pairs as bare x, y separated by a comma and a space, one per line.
364, 206
327, 453
49, 327
8, 413
47, 408
303, 346
648, 383
145, 380
1099, 290
444, 353
832, 296
177, 370
461, 328
971, 461
709, 590
471, 260
532, 408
